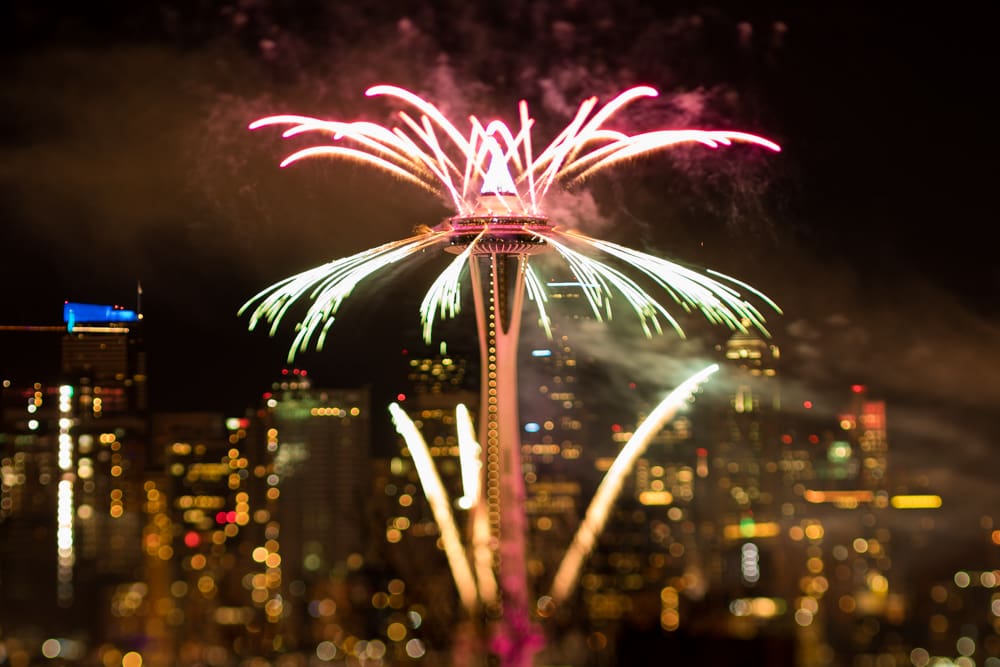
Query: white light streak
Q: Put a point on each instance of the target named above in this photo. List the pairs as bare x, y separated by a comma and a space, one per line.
493, 162
469, 457
445, 294
498, 180
437, 497
597, 514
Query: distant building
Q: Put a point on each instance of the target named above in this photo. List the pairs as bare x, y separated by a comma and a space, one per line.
321, 443
74, 452
554, 424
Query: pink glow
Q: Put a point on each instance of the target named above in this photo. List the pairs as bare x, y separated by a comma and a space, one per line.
497, 186
429, 150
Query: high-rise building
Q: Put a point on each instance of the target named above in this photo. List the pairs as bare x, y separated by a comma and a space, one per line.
103, 349
74, 454
318, 477
197, 535
321, 442
553, 427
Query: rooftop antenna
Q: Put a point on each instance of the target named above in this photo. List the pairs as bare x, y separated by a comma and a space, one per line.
138, 299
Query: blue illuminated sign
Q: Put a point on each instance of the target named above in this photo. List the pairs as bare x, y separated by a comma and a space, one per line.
90, 312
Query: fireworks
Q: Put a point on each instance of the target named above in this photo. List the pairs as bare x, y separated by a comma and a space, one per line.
597, 514
437, 497
470, 590
497, 186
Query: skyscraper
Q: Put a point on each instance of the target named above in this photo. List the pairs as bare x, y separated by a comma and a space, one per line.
321, 442
74, 448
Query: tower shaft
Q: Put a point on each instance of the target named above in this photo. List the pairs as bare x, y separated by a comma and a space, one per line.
498, 279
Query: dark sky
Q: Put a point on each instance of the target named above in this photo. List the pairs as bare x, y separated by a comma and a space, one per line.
125, 158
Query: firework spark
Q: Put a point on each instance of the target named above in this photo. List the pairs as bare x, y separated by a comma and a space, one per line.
437, 497
470, 458
597, 514
497, 186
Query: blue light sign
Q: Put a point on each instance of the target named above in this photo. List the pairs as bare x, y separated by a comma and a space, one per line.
89, 312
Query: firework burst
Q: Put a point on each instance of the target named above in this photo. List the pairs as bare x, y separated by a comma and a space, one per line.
497, 185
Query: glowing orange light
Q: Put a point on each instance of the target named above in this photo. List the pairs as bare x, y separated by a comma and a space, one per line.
916, 502
861, 496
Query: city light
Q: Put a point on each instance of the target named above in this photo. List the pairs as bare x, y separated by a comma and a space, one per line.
764, 520
750, 563
910, 502
752, 529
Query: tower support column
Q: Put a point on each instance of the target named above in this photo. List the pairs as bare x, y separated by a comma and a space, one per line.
498, 280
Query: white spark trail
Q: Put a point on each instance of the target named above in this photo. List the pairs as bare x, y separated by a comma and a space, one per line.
597, 513
430, 152
469, 457
437, 497
445, 293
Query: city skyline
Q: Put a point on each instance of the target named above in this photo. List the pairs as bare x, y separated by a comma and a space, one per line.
867, 235
127, 162
735, 473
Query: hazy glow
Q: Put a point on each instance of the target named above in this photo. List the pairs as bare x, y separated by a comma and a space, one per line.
766, 529
437, 497
597, 514
859, 496
494, 169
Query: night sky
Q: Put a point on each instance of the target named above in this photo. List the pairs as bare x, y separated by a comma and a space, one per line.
126, 159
